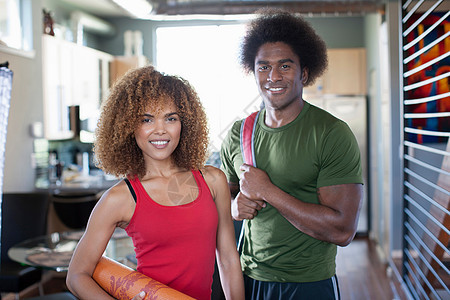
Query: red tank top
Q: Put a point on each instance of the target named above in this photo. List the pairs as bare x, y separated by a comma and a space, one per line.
175, 245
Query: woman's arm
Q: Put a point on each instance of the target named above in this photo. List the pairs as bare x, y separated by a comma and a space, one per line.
115, 208
226, 252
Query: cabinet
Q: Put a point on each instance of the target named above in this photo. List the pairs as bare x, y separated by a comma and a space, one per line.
90, 87
57, 87
121, 64
346, 74
73, 75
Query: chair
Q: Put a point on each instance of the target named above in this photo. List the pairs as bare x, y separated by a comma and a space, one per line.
74, 209
23, 217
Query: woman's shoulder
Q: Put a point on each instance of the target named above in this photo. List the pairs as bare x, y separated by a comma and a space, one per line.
212, 171
116, 205
214, 177
116, 194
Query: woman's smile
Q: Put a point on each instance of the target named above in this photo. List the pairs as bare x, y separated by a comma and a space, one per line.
160, 144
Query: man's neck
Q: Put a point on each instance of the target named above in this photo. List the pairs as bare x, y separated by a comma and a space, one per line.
279, 117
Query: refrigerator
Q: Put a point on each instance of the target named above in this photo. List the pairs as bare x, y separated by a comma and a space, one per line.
352, 110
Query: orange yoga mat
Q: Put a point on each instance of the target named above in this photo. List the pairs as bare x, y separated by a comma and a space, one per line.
122, 282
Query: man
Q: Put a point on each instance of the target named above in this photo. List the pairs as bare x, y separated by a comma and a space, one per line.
303, 198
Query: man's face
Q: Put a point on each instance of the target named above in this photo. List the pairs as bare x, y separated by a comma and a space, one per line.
279, 75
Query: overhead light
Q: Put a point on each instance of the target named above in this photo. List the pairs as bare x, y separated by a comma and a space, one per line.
137, 8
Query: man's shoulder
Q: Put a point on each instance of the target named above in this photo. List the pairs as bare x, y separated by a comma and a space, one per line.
316, 111
320, 117
235, 128
232, 138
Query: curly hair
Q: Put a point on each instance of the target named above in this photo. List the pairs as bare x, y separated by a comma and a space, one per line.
115, 148
274, 25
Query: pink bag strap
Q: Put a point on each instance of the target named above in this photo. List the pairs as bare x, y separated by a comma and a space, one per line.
247, 137
248, 153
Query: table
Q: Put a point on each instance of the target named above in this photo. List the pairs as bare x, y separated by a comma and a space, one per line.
54, 251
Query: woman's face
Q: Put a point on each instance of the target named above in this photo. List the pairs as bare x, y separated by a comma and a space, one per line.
158, 132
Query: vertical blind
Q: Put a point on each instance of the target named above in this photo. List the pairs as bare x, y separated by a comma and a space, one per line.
426, 105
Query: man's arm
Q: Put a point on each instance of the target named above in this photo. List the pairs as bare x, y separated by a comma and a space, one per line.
333, 220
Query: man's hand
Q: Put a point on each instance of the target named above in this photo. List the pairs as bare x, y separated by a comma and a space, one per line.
248, 201
254, 182
244, 208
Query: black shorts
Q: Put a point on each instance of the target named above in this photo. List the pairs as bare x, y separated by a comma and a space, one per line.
327, 289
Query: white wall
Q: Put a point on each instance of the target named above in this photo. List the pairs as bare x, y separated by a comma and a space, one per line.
26, 108
372, 27
385, 129
396, 100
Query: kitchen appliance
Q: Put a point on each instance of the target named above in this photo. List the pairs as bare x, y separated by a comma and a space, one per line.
352, 110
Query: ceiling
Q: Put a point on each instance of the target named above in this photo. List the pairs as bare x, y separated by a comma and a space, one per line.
102, 8
183, 7
107, 8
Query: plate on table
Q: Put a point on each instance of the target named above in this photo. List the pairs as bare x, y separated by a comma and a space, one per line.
51, 259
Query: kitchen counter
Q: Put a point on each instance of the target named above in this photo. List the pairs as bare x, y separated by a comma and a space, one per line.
81, 185
72, 198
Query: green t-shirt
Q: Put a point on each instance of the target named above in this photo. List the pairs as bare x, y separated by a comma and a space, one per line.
314, 150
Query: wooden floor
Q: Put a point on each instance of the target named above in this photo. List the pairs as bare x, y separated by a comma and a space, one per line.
361, 274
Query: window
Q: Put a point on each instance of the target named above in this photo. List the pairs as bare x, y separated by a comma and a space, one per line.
15, 24
207, 56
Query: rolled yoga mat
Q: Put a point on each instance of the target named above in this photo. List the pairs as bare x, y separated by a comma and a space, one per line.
122, 282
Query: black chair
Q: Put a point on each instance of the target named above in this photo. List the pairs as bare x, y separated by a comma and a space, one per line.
24, 216
74, 209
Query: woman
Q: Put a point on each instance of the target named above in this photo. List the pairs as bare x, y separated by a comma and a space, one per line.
153, 132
